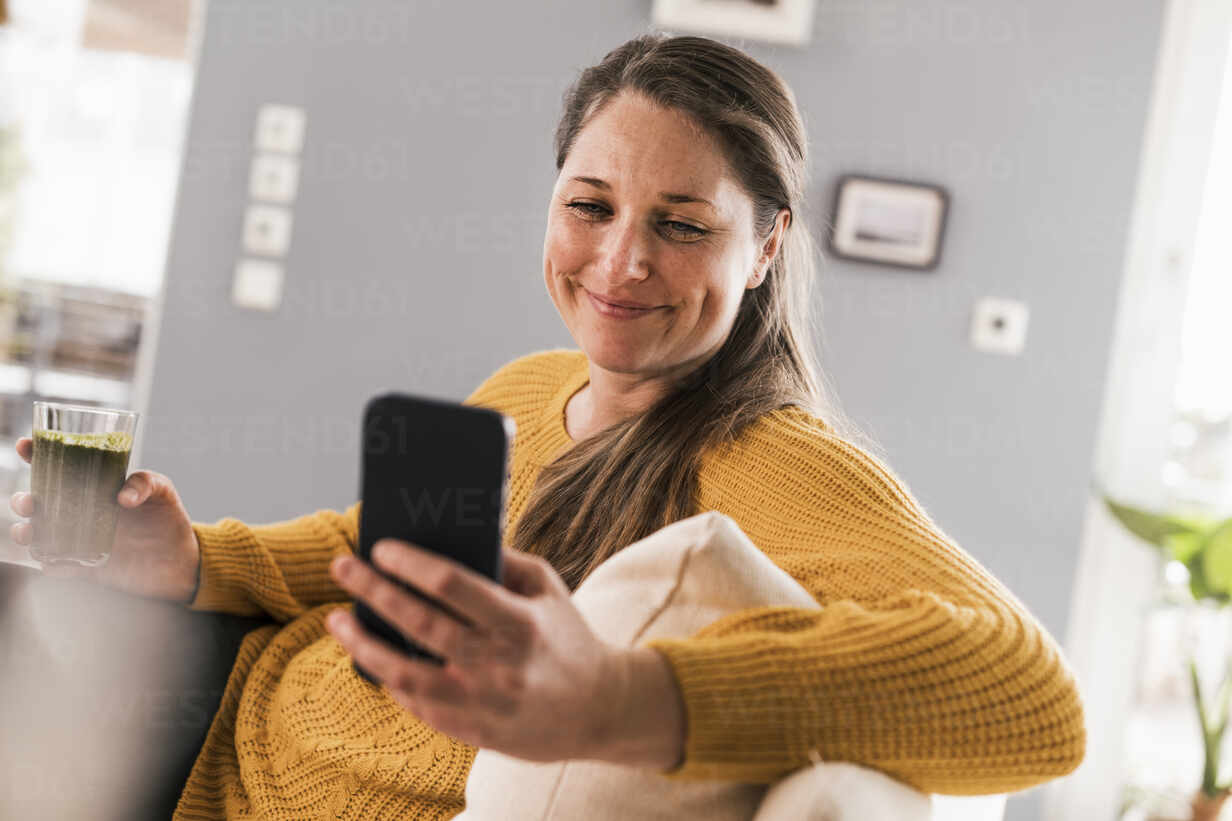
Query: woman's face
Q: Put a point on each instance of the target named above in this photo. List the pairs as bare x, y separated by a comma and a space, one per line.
645, 211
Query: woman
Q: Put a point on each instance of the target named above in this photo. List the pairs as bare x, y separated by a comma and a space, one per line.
676, 255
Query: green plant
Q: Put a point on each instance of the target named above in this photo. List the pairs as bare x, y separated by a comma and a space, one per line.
1203, 544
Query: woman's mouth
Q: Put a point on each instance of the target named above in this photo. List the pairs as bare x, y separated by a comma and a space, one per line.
616, 311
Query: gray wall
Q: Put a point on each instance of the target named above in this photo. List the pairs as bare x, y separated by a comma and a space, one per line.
415, 262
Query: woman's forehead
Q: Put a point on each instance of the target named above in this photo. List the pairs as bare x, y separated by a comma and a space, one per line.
633, 123
632, 143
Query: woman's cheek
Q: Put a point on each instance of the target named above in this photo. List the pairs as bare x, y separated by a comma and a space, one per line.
567, 249
693, 269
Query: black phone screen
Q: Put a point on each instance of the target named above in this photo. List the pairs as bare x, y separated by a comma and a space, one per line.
433, 473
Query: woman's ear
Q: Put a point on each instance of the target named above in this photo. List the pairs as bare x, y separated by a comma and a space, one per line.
770, 248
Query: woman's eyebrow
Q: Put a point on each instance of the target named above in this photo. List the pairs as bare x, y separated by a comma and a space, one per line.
664, 195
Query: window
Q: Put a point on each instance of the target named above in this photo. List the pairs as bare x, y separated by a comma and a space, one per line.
91, 137
1200, 467
1163, 738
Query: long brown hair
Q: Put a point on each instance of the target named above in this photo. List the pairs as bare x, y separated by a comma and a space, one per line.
640, 474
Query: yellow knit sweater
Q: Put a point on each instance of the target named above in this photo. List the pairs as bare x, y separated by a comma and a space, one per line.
919, 663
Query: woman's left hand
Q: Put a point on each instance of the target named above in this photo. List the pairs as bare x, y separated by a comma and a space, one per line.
523, 673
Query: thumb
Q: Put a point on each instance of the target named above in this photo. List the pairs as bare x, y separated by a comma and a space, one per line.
528, 574
140, 486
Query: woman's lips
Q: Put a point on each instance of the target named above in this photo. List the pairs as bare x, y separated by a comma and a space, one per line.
616, 311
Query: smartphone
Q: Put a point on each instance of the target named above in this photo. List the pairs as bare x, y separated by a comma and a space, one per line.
434, 473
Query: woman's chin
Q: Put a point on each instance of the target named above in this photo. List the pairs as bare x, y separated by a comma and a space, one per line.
611, 355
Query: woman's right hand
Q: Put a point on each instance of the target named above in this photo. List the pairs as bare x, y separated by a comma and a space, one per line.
155, 552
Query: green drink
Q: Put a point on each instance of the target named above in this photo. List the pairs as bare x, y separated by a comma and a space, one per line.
79, 464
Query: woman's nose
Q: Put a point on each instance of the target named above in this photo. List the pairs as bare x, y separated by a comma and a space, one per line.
624, 253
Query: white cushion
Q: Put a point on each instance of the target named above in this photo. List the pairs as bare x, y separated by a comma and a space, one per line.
672, 583
842, 791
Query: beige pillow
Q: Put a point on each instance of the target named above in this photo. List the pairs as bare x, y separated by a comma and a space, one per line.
672, 583
843, 791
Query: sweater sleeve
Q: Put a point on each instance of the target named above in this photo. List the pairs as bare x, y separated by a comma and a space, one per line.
280, 569
919, 663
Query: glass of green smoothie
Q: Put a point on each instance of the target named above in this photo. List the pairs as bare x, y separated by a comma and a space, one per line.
79, 464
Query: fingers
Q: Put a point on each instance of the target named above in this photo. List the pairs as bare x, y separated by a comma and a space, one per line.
423, 623
22, 503
389, 666
20, 533
477, 598
141, 486
529, 574
137, 488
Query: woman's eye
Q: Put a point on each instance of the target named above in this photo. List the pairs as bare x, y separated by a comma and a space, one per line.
590, 209
684, 228
677, 229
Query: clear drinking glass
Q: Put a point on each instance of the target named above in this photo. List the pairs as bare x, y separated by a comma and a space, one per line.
79, 464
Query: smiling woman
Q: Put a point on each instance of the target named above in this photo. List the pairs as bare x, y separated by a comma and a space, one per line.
678, 261
682, 165
677, 257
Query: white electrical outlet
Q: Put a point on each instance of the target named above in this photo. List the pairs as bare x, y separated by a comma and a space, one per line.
267, 230
257, 284
274, 178
280, 128
999, 326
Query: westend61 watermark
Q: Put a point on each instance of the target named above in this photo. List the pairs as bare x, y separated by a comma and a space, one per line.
250, 434
953, 160
397, 295
484, 96
320, 433
884, 23
268, 433
386, 156
476, 507
332, 23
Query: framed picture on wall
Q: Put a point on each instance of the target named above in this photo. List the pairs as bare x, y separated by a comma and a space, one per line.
775, 21
888, 222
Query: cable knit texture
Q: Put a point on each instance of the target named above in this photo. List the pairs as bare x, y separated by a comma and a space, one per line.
919, 663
